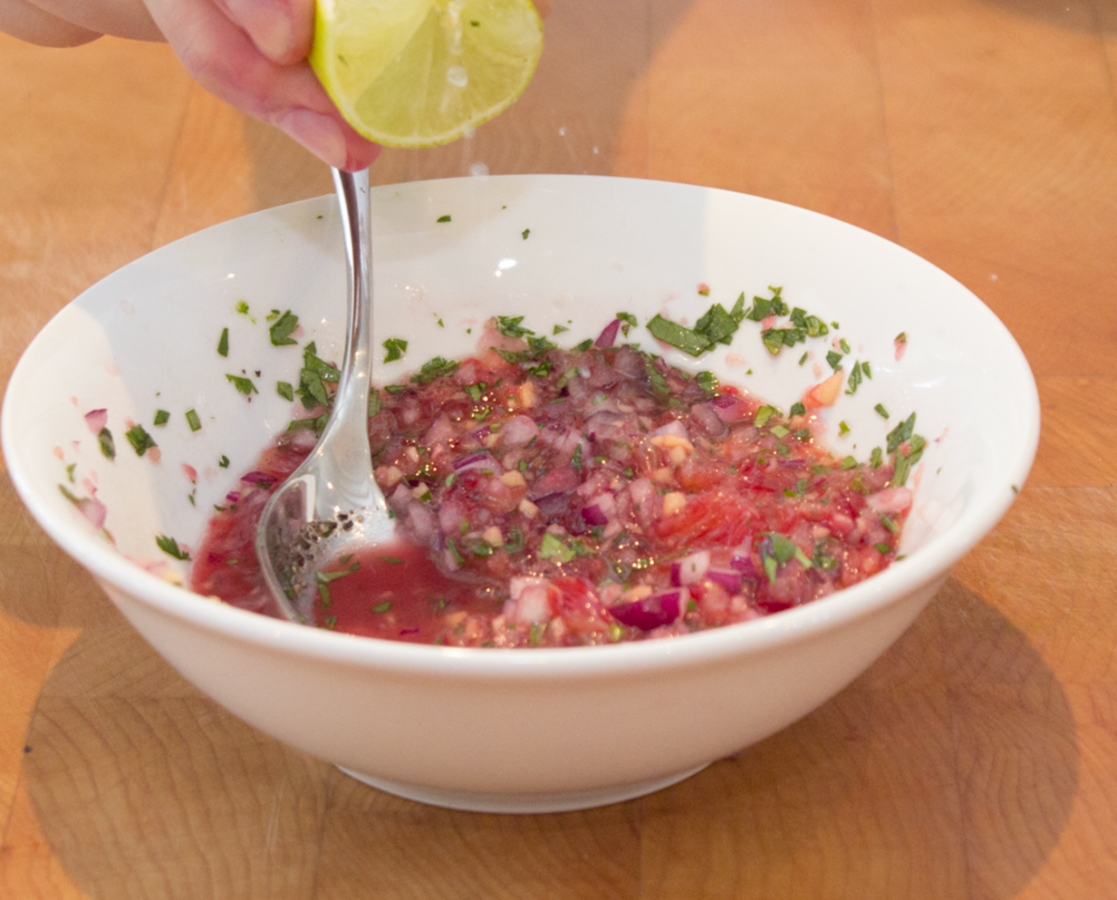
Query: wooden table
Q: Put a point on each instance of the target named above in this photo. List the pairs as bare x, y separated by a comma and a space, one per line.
977, 759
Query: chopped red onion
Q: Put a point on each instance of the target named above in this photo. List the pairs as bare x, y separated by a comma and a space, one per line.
649, 613
727, 578
258, 478
743, 564
94, 510
690, 568
608, 336
474, 461
594, 515
96, 419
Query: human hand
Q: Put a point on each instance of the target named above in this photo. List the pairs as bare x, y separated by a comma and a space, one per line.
250, 53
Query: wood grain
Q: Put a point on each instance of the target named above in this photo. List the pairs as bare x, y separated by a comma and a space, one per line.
976, 760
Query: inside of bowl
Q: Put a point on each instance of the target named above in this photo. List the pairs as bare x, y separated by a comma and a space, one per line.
567, 254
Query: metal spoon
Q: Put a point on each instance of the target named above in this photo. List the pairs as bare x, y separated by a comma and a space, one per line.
331, 503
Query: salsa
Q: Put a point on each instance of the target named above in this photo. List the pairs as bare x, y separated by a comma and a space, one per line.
554, 497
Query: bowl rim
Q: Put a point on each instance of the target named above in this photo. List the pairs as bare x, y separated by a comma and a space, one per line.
900, 579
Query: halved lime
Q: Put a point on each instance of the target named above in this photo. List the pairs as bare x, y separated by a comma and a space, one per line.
418, 73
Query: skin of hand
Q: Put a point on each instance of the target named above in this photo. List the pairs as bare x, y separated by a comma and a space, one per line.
250, 53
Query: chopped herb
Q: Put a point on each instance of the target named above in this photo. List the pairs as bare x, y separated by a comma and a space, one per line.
843, 428
584, 346
285, 390
382, 607
170, 546
881, 410
70, 472
845, 347
244, 385
887, 522
763, 307
435, 368
901, 433
797, 409
812, 325
804, 357
883, 548
717, 325
282, 328
763, 415
108, 446
445, 218
515, 542
678, 336
373, 403
242, 308
559, 329
708, 381
628, 321
223, 462
140, 440
835, 360
855, 377
848, 463
876, 458
908, 457
161, 417
780, 430
525, 233
901, 338
553, 548
193, 421
576, 459
778, 550
395, 348
223, 343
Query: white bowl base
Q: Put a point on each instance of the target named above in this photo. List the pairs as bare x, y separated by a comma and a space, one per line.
523, 804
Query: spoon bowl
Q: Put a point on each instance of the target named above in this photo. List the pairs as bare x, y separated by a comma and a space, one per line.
331, 502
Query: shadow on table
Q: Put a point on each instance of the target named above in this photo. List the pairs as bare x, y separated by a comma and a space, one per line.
1078, 15
948, 770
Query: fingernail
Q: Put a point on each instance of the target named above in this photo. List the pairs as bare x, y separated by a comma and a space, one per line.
272, 35
320, 134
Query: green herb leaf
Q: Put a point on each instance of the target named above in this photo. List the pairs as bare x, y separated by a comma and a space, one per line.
223, 462
901, 433
881, 410
678, 336
395, 348
525, 233
445, 218
285, 390
242, 384
435, 368
140, 440
282, 329
763, 415
162, 416
193, 421
553, 548
223, 343
108, 446
170, 546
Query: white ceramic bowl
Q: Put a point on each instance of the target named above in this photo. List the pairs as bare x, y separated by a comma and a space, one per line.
509, 730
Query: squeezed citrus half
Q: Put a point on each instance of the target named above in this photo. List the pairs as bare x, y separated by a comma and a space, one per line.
418, 73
